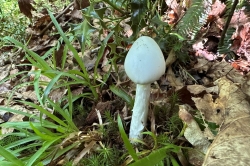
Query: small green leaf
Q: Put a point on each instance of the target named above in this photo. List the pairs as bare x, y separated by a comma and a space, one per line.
125, 139
44, 111
153, 158
122, 94
50, 86
138, 9
45, 146
40, 134
10, 157
173, 161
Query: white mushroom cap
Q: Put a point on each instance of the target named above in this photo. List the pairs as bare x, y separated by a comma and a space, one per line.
144, 62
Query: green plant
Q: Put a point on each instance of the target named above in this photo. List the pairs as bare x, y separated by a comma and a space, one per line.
39, 132
16, 27
194, 18
103, 156
122, 94
45, 135
64, 78
156, 156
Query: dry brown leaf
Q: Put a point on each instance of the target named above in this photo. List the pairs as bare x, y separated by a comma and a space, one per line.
26, 7
244, 38
202, 65
4, 88
221, 69
197, 89
240, 17
81, 4
56, 95
194, 135
218, 8
102, 107
231, 111
77, 14
174, 81
171, 58
2, 101
176, 10
30, 94
231, 145
206, 106
4, 71
83, 152
14, 118
58, 56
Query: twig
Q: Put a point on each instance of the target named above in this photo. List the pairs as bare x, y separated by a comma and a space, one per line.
58, 16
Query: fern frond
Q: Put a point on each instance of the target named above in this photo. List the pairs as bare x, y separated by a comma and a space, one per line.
225, 48
225, 40
246, 4
194, 18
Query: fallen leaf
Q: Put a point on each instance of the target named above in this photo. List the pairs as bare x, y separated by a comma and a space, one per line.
231, 145
81, 4
174, 81
194, 135
26, 7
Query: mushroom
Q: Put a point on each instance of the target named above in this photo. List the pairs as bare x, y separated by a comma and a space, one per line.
144, 64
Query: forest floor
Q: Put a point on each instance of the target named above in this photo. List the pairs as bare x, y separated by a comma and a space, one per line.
198, 111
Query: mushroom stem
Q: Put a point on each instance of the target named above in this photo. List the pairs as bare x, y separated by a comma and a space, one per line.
140, 111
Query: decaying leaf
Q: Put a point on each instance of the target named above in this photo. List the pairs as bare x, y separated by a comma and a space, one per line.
174, 81
231, 110
194, 135
202, 65
197, 89
26, 7
81, 4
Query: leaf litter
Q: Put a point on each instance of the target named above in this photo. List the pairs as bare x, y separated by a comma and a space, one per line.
222, 97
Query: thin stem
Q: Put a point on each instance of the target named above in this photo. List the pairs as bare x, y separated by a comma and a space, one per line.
115, 7
230, 15
140, 111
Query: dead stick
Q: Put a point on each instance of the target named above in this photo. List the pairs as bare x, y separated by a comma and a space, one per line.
58, 16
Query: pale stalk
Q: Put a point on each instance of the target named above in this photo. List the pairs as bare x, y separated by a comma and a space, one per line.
140, 111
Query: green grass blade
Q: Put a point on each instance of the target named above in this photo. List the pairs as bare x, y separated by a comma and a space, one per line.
41, 63
36, 156
50, 86
18, 112
44, 111
173, 161
70, 103
122, 94
28, 147
152, 159
70, 46
36, 86
21, 142
125, 139
40, 134
65, 114
10, 157
60, 152
101, 52
6, 163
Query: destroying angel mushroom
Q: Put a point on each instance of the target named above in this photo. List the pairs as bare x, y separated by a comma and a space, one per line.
144, 64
